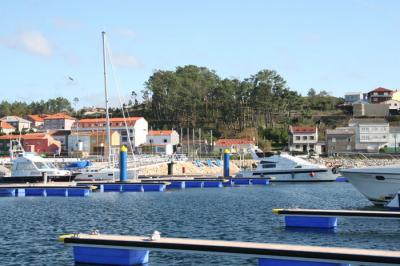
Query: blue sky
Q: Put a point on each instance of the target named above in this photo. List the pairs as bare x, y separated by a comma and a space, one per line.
337, 46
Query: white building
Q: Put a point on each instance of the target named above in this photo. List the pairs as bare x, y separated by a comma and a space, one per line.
394, 105
352, 97
17, 122
394, 139
242, 146
58, 122
303, 138
135, 128
162, 141
371, 133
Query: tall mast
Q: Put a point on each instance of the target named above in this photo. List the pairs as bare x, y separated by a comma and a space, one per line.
107, 150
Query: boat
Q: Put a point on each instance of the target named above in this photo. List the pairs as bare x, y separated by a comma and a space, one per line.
378, 184
286, 168
108, 172
30, 167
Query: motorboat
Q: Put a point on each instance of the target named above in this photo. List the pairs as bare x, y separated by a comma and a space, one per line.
30, 167
378, 184
286, 168
101, 174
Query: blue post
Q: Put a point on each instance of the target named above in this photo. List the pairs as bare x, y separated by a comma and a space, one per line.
226, 163
123, 161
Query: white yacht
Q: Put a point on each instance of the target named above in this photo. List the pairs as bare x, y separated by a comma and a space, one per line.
287, 168
379, 184
101, 174
32, 165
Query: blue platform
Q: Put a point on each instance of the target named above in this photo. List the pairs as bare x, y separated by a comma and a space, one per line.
260, 181
78, 192
112, 187
132, 188
310, 221
341, 179
40, 192
6, 192
282, 262
56, 192
176, 185
216, 184
194, 184
110, 256
153, 187
241, 181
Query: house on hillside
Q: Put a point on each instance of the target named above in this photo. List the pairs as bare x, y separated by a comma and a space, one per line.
132, 129
42, 143
394, 106
240, 146
371, 134
379, 95
92, 142
20, 124
62, 136
58, 121
352, 97
36, 121
6, 128
303, 138
340, 139
161, 141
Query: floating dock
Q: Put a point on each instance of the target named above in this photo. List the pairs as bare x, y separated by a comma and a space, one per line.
327, 219
87, 248
46, 191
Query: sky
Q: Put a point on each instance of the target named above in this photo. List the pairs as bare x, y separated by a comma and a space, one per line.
53, 48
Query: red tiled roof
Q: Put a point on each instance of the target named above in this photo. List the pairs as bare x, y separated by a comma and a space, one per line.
380, 89
26, 136
114, 119
160, 132
302, 129
5, 125
36, 118
230, 142
58, 116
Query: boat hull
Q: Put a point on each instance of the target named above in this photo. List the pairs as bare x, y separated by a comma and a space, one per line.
294, 175
378, 187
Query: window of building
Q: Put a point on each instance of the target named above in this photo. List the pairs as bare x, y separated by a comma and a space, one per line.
333, 139
151, 140
311, 137
311, 146
297, 137
124, 139
349, 139
304, 137
165, 140
297, 146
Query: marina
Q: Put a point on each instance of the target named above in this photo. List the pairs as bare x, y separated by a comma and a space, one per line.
238, 213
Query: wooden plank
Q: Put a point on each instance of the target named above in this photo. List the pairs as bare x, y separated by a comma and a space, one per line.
337, 213
259, 250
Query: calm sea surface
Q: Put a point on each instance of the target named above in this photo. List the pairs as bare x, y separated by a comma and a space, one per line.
30, 226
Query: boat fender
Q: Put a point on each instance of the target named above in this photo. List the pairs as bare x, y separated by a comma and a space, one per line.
312, 174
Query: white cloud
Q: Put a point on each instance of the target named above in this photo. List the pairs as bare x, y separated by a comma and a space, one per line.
63, 23
126, 60
32, 41
36, 43
126, 32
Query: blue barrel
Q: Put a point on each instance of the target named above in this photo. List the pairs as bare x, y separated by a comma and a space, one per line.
226, 163
123, 162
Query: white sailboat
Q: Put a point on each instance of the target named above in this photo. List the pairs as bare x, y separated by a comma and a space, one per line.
110, 172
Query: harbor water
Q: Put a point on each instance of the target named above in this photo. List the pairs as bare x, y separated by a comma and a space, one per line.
30, 226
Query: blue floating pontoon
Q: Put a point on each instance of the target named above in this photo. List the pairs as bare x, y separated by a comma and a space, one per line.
311, 221
6, 192
241, 181
78, 192
194, 184
110, 256
176, 184
112, 187
132, 188
57, 192
260, 181
40, 192
217, 184
153, 187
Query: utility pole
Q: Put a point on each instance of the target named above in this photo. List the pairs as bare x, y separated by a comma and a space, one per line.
193, 142
211, 141
200, 142
188, 140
